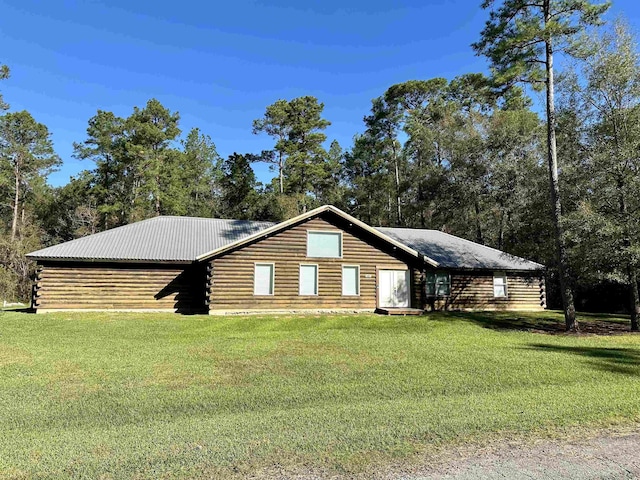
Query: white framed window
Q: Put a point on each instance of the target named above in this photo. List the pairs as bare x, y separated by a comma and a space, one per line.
500, 285
308, 279
324, 244
263, 278
351, 280
438, 284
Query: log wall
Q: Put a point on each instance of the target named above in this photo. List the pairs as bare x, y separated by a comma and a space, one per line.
61, 285
474, 291
231, 279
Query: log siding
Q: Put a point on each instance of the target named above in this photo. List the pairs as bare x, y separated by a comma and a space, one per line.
231, 280
474, 291
114, 286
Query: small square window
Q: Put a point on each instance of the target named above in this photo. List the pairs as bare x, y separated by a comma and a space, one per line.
499, 285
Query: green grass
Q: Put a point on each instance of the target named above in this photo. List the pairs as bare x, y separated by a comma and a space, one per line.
154, 395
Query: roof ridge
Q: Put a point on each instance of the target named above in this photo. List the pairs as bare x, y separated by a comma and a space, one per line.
205, 218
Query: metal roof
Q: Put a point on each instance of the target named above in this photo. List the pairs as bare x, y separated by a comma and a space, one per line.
170, 239
455, 252
159, 239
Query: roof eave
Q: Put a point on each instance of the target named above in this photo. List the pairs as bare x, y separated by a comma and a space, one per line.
496, 269
38, 258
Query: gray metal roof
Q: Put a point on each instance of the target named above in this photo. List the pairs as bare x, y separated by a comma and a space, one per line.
184, 239
455, 252
159, 239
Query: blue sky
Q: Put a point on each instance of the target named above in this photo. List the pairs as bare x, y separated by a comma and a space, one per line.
221, 63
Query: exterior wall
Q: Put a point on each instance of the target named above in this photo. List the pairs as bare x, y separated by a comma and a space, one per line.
116, 286
231, 275
474, 291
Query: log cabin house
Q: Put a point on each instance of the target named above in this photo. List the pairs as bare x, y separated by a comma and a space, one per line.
323, 260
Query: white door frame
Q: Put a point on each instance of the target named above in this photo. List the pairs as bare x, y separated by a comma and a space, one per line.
406, 274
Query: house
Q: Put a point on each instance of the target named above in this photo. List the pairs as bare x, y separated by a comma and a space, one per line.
322, 260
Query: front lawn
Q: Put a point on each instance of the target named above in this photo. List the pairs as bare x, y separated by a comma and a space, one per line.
161, 395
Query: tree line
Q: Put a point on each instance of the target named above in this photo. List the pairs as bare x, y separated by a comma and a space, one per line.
467, 155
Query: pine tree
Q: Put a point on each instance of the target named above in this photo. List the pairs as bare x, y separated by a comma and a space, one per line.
520, 40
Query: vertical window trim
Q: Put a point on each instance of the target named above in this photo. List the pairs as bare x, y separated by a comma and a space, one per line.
273, 279
357, 281
506, 284
338, 232
300, 294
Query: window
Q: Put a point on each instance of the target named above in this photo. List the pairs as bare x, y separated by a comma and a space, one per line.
499, 285
351, 280
308, 279
263, 279
324, 244
438, 284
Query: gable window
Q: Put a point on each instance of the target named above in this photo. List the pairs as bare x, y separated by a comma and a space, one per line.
351, 280
263, 279
499, 285
308, 280
324, 244
438, 284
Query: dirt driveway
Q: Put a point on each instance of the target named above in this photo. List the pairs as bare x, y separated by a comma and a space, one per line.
612, 456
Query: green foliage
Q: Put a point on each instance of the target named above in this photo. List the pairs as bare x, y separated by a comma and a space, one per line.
148, 395
297, 127
329, 185
105, 146
238, 183
139, 171
148, 133
468, 161
368, 182
16, 271
276, 123
520, 40
202, 172
4, 74
515, 36
70, 211
26, 158
604, 101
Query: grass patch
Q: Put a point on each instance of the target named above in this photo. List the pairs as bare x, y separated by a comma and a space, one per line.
161, 395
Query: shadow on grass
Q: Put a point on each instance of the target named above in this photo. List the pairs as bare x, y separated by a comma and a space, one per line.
616, 360
18, 310
550, 323
512, 321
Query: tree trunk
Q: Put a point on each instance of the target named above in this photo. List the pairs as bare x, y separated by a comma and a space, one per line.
565, 286
397, 182
157, 195
632, 271
501, 229
479, 238
16, 202
635, 298
281, 172
399, 212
